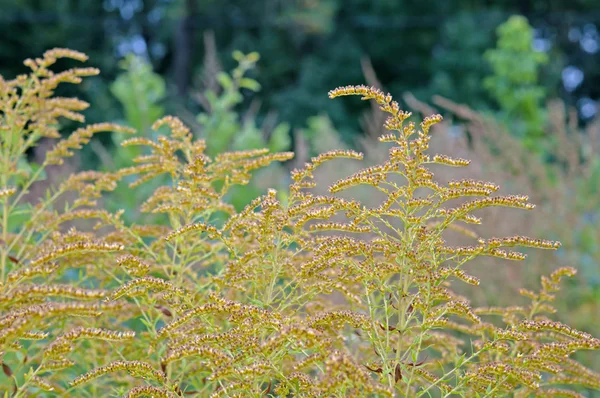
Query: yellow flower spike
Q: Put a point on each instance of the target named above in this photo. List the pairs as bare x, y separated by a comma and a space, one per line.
135, 368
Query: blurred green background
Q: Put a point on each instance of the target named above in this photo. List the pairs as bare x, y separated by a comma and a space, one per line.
309, 46
517, 80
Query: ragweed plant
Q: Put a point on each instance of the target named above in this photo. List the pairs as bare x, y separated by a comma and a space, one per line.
297, 294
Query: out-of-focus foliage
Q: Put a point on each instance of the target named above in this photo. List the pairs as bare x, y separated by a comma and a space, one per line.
426, 47
514, 83
222, 124
139, 91
457, 64
312, 16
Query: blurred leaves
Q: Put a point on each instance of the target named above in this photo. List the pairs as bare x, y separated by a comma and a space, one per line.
514, 83
140, 91
312, 16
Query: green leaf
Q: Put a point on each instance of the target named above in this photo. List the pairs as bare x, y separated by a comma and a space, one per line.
250, 84
238, 55
253, 57
225, 80
139, 89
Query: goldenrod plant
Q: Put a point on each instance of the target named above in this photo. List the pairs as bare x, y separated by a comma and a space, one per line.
49, 291
297, 294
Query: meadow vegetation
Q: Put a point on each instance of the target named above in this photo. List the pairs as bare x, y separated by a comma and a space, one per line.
304, 291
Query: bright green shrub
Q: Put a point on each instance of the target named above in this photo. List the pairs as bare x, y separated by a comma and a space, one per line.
139, 90
317, 296
514, 81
